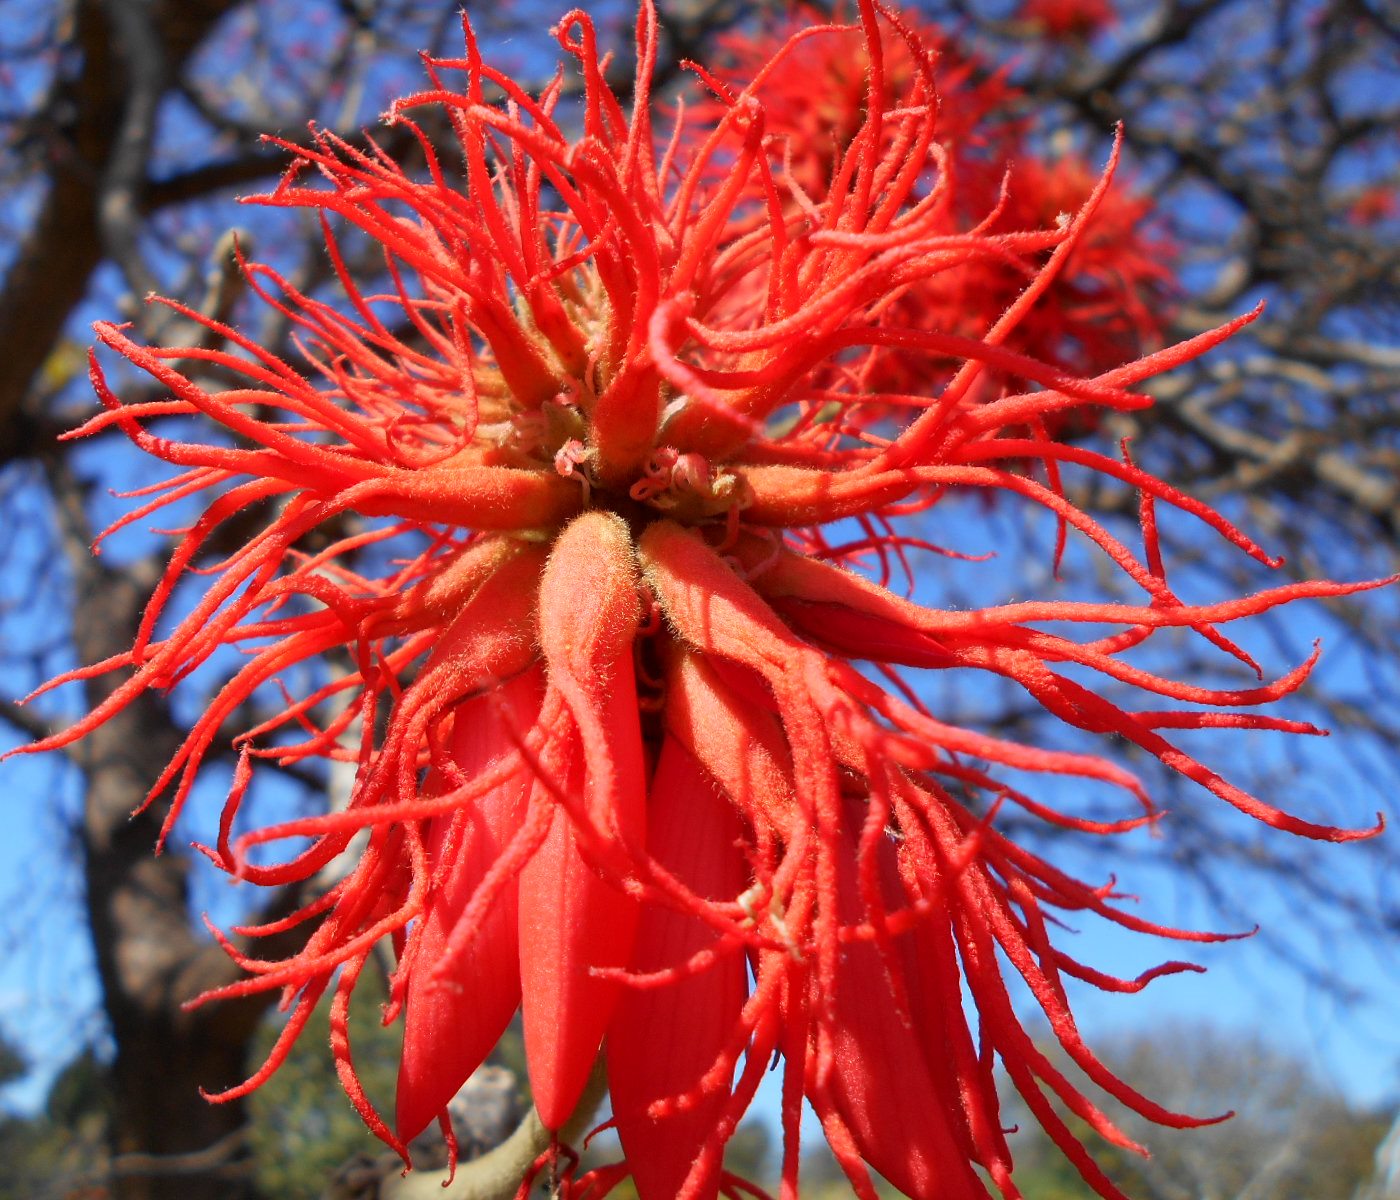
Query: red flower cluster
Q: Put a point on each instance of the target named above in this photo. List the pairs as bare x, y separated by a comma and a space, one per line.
633, 745
1109, 298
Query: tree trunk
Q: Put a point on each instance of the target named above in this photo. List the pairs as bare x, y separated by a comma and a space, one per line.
149, 958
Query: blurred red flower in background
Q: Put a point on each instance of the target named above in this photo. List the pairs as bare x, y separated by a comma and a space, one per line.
1112, 293
1374, 204
1074, 19
632, 742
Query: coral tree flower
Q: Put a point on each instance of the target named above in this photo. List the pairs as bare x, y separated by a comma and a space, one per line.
1110, 297
632, 742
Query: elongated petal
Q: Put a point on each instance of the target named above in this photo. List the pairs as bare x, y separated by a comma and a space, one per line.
663, 1039
452, 1024
589, 613
572, 918
601, 414
571, 921
881, 1082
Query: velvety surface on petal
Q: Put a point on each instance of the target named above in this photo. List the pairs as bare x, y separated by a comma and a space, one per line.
589, 614
452, 1023
571, 921
881, 1083
662, 1040
574, 914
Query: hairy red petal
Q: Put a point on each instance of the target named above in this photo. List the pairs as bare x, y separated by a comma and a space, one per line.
573, 918
571, 921
452, 1024
880, 1081
663, 1039
589, 614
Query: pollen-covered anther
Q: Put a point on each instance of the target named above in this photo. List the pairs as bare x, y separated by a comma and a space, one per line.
685, 485
525, 431
774, 914
749, 900
572, 461
747, 111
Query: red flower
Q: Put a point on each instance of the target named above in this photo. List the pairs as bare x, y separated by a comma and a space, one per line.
1373, 205
1114, 295
615, 759
1108, 301
976, 127
1077, 19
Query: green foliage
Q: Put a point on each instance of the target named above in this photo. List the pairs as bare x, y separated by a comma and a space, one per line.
60, 1151
1291, 1138
302, 1127
750, 1151
1343, 1152
13, 1064
80, 1093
